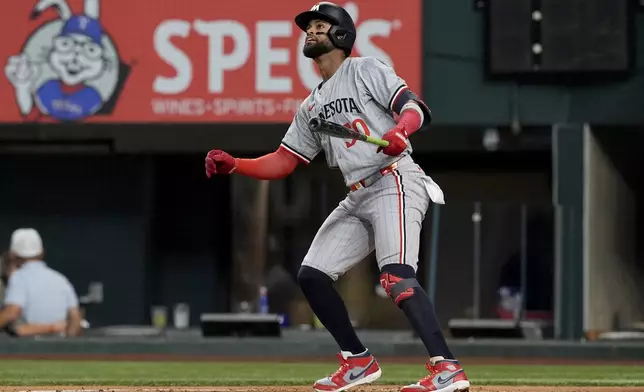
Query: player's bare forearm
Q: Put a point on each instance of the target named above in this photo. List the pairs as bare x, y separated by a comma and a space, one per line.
276, 165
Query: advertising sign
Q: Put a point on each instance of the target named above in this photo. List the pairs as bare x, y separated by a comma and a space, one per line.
152, 61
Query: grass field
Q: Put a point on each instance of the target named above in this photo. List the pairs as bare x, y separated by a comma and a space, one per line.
273, 375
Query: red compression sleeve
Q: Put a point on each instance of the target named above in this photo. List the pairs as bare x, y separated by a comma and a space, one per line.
410, 121
273, 166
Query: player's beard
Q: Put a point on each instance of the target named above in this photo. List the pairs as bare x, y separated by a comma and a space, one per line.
317, 49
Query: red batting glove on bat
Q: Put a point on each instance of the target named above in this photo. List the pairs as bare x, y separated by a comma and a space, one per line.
409, 122
397, 139
219, 162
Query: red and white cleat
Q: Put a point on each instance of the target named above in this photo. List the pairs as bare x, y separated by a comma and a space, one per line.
445, 375
354, 370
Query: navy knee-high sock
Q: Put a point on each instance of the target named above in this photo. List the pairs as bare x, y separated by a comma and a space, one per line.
421, 314
328, 306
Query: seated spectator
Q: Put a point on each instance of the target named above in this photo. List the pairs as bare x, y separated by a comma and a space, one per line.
38, 300
19, 327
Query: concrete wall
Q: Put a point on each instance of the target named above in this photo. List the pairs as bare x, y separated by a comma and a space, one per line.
613, 290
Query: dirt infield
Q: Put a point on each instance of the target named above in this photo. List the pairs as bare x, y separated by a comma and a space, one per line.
375, 388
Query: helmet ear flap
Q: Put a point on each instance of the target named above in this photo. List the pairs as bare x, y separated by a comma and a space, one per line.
340, 33
341, 38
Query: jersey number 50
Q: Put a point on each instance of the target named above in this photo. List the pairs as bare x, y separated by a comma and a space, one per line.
357, 125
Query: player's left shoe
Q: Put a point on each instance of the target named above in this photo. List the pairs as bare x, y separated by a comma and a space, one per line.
445, 375
354, 370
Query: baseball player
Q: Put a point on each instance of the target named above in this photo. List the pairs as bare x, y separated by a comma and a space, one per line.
386, 203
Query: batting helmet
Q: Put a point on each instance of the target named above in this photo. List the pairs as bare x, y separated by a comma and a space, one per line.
342, 32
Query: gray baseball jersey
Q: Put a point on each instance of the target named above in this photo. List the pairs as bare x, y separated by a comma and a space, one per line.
360, 94
386, 215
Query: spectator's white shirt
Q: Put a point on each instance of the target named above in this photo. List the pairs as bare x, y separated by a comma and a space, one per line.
44, 295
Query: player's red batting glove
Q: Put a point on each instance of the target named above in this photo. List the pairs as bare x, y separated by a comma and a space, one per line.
219, 162
397, 139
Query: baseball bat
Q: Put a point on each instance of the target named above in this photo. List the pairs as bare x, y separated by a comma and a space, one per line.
332, 129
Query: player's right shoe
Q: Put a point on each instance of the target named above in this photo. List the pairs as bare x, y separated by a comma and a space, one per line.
354, 370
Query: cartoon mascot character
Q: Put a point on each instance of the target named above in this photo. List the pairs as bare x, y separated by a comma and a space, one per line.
68, 69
